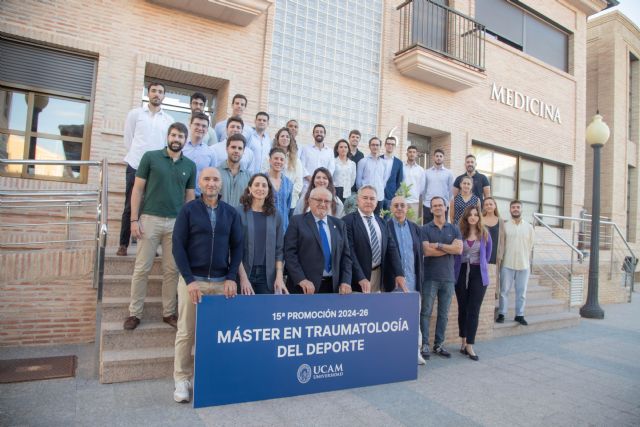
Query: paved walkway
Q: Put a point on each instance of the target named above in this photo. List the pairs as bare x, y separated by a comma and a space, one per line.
587, 375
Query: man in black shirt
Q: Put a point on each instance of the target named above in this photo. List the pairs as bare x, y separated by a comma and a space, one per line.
481, 186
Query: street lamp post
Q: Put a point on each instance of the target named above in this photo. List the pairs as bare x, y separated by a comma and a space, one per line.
597, 135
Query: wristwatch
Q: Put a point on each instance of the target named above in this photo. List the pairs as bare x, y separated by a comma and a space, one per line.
439, 246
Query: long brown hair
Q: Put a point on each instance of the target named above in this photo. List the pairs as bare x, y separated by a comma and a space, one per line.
465, 227
269, 207
330, 187
495, 211
292, 152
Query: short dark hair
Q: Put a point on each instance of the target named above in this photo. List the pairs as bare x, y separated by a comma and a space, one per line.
237, 137
155, 83
234, 119
392, 138
199, 95
374, 137
201, 116
470, 155
319, 126
515, 202
240, 96
277, 150
180, 127
291, 120
355, 132
263, 113
441, 198
412, 147
439, 150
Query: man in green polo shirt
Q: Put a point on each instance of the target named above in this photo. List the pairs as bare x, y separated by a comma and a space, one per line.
165, 180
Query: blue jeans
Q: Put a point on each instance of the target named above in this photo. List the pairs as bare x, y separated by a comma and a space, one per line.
444, 290
513, 278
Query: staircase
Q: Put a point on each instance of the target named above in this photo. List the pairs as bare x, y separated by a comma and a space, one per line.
146, 352
542, 312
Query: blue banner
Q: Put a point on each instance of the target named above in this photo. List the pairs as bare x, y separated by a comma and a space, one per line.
267, 346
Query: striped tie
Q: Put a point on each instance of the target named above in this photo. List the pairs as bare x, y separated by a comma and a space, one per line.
375, 244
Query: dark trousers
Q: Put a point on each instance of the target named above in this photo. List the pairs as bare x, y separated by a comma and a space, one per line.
125, 227
469, 298
427, 216
258, 279
378, 208
340, 193
326, 285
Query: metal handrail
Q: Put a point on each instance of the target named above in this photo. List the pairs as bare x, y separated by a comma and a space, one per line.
539, 216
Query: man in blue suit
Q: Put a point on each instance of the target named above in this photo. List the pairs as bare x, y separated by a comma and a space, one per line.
373, 252
393, 172
316, 250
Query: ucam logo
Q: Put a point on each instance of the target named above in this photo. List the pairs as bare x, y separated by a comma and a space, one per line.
305, 372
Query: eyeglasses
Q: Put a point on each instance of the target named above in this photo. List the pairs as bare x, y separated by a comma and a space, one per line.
320, 201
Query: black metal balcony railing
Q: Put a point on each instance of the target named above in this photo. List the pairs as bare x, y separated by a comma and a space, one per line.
438, 28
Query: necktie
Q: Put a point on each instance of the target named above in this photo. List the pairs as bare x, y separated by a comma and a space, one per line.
375, 243
326, 250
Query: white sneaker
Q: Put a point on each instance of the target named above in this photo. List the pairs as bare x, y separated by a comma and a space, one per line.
181, 395
421, 360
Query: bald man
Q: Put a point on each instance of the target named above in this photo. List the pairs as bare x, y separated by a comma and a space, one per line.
201, 224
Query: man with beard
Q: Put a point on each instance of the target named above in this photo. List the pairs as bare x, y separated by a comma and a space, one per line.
165, 180
202, 224
438, 183
481, 186
235, 177
198, 104
316, 155
514, 271
235, 125
144, 130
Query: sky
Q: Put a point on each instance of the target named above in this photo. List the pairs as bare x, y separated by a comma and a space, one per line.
631, 9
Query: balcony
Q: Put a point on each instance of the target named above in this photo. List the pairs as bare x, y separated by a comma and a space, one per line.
440, 46
238, 12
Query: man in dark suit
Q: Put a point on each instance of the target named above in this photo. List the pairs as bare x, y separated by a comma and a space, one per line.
373, 251
316, 250
394, 171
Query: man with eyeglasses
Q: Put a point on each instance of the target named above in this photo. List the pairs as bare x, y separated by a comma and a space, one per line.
374, 253
316, 250
393, 171
407, 237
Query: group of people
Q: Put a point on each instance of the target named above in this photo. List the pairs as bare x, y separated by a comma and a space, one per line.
237, 213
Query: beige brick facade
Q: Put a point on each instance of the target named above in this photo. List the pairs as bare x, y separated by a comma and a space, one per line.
134, 39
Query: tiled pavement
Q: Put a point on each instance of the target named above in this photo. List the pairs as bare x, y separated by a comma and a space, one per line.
587, 375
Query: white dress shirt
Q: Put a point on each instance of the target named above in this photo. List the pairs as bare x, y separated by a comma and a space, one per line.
313, 157
145, 131
377, 230
345, 176
414, 175
371, 171
220, 150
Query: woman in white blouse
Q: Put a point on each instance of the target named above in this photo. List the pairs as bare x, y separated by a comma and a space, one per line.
293, 168
345, 174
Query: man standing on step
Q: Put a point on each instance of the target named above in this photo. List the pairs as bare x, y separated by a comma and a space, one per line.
144, 130
441, 240
202, 224
518, 244
165, 180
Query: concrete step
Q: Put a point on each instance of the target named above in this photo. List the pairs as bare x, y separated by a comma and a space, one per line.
534, 292
146, 335
116, 309
542, 322
123, 265
119, 285
535, 307
134, 365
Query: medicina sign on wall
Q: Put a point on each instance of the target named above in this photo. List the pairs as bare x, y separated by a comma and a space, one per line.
269, 346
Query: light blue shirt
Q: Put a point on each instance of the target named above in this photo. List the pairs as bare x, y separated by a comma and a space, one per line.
260, 147
202, 155
405, 247
372, 171
438, 182
221, 131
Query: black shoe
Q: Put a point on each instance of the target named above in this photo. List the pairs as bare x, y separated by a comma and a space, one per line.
463, 349
441, 351
426, 354
520, 319
500, 318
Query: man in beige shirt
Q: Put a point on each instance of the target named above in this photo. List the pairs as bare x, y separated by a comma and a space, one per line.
519, 238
